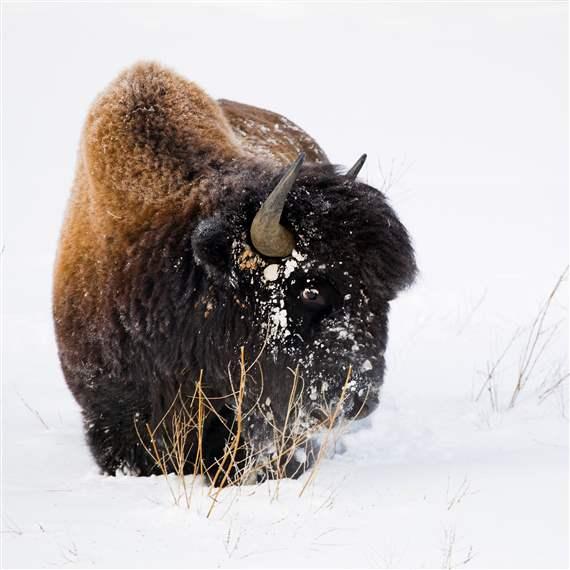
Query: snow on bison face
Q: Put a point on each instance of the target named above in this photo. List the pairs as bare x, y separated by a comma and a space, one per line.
323, 307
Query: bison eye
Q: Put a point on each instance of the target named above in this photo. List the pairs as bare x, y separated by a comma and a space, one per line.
312, 297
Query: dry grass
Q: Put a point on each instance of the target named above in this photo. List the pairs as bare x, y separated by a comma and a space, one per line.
454, 498
552, 384
537, 340
489, 385
539, 337
177, 441
451, 557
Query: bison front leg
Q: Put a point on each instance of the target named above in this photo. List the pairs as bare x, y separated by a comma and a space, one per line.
116, 445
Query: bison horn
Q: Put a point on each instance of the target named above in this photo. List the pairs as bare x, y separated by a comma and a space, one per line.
353, 172
269, 237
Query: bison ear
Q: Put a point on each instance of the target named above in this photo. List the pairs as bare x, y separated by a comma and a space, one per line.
211, 246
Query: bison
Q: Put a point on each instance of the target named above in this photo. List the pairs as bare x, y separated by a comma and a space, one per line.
198, 231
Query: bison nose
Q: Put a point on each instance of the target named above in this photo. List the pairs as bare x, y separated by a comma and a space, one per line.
358, 407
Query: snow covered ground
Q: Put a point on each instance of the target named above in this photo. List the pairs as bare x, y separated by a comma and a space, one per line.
463, 112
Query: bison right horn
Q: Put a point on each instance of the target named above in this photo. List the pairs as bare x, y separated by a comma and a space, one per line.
269, 237
353, 172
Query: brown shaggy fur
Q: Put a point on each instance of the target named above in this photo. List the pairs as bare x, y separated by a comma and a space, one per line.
134, 170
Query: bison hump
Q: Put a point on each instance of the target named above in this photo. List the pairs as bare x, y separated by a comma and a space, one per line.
271, 135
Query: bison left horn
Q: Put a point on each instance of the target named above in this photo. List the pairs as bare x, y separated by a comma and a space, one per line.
269, 237
353, 172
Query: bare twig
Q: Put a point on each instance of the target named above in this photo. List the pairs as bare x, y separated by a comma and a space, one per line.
463, 490
534, 348
391, 178
34, 412
548, 389
449, 562
11, 526
492, 368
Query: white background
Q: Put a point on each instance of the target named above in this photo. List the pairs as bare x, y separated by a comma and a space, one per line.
463, 111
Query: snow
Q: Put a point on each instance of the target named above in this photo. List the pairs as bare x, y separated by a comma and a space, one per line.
298, 256
463, 113
279, 317
271, 272
290, 266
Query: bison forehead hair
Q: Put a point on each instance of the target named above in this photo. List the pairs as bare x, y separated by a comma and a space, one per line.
192, 232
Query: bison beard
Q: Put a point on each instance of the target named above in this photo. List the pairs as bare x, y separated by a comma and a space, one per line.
158, 279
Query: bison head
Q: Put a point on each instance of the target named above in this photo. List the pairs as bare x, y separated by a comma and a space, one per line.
303, 264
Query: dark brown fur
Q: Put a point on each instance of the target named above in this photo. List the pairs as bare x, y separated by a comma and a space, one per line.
146, 288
